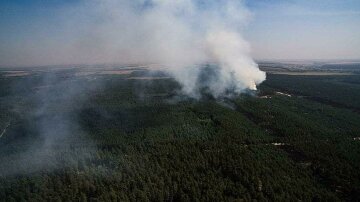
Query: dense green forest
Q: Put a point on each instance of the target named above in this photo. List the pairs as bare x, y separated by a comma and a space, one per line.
66, 137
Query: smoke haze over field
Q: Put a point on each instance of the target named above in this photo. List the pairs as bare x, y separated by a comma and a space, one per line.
177, 34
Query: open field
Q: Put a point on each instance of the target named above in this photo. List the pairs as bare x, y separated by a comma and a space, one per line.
310, 73
15, 73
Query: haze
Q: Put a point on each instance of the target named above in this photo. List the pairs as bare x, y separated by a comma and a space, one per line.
63, 32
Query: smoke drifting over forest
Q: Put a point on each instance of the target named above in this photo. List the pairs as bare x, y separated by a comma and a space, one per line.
178, 35
198, 43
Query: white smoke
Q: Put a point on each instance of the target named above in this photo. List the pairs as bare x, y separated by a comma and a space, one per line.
178, 34
190, 32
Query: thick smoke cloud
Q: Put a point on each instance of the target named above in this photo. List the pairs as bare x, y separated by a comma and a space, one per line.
198, 42
179, 35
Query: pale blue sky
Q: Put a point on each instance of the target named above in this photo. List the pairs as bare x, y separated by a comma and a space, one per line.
278, 29
316, 29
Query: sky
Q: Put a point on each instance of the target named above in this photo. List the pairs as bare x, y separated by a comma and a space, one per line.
316, 29
36, 32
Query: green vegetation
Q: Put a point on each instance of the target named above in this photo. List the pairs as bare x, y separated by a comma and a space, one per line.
339, 91
136, 140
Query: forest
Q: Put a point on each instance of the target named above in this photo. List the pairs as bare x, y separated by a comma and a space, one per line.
70, 136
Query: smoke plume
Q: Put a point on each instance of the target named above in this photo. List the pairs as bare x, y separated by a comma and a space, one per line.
180, 35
